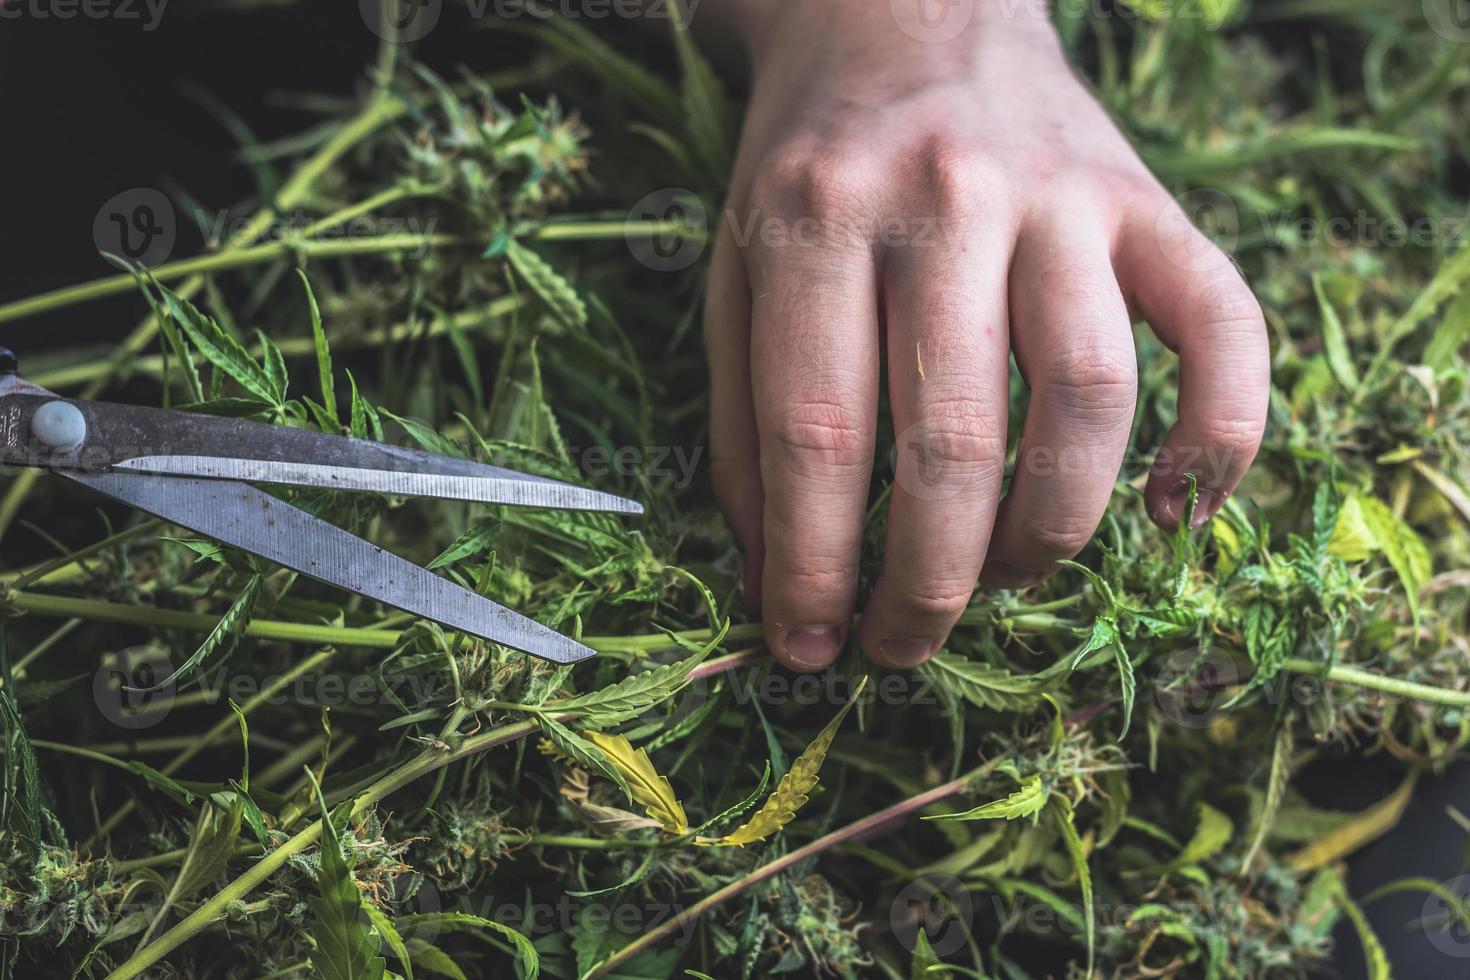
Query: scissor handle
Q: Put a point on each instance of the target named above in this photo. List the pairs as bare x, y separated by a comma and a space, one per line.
9, 363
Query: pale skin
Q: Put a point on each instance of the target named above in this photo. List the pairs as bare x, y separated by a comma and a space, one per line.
942, 206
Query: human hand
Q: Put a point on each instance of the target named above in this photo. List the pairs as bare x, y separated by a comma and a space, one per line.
951, 203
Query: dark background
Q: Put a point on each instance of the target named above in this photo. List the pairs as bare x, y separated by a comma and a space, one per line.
90, 108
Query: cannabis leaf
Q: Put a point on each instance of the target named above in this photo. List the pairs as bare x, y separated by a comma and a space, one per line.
1029, 799
791, 793
347, 947
559, 295
647, 786
981, 684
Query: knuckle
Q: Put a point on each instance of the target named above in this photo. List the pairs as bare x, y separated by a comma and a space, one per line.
957, 173
935, 602
829, 432
1091, 377
1234, 433
1225, 301
1060, 536
810, 184
805, 583
963, 429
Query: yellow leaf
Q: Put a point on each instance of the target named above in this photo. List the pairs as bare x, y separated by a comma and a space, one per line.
1352, 539
649, 788
791, 795
1364, 828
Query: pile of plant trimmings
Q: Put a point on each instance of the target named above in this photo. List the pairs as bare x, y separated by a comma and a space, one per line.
1095, 776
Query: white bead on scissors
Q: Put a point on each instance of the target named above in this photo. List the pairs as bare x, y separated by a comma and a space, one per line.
59, 425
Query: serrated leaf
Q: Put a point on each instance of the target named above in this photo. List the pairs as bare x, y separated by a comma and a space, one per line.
433, 922
730, 813
649, 788
1275, 790
1127, 683
432, 959
792, 792
1104, 633
548, 284
583, 752
1064, 819
221, 349
323, 356
1029, 799
347, 947
921, 966
478, 538
1373, 954
1405, 550
639, 692
386, 931
222, 637
982, 685
22, 769
708, 115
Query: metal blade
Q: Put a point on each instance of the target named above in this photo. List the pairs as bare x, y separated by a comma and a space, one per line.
158, 441
244, 517
497, 486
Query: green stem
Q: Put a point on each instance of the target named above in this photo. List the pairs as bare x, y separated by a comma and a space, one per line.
421, 765
111, 612
301, 244
589, 843
1358, 677
467, 320
42, 572
215, 906
235, 258
226, 724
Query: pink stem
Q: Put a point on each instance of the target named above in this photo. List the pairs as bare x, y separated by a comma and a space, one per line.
868, 826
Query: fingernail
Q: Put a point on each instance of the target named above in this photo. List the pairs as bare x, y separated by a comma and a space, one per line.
905, 651
1205, 505
813, 647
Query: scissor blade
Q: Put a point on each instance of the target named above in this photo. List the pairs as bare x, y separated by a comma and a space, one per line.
244, 517
493, 486
168, 443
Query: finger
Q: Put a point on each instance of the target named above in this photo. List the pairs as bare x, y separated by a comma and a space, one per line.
814, 360
1073, 344
947, 370
734, 448
1196, 301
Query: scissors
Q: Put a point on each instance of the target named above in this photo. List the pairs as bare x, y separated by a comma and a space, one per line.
195, 471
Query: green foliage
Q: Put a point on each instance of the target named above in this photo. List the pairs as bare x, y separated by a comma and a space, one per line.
1128, 732
346, 944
